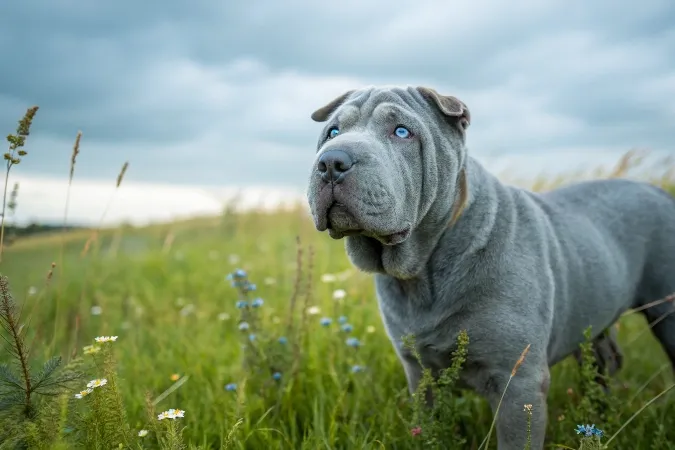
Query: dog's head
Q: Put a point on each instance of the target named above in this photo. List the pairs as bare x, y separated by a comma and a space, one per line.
387, 159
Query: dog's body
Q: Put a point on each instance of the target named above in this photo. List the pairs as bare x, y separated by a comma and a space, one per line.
452, 248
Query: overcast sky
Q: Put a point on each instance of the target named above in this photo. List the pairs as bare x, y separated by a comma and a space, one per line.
201, 95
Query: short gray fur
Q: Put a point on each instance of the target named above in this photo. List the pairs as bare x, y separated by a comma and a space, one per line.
515, 268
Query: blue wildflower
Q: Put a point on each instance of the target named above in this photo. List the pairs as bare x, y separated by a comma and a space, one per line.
242, 304
282, 340
276, 376
342, 319
353, 342
325, 321
347, 328
357, 368
231, 387
240, 273
244, 326
250, 287
588, 430
251, 337
258, 302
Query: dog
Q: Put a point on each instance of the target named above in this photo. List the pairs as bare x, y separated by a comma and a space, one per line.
452, 248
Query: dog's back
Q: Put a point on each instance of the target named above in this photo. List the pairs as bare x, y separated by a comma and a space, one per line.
616, 249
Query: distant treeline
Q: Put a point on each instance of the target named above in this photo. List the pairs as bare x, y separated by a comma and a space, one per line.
36, 228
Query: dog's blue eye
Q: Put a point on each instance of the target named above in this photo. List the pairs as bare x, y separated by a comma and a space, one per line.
333, 132
402, 132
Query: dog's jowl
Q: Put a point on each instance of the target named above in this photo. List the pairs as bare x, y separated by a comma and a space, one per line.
452, 248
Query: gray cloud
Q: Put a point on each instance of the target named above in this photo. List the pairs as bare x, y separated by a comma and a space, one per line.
221, 92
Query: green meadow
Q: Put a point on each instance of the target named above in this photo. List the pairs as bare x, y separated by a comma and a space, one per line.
307, 366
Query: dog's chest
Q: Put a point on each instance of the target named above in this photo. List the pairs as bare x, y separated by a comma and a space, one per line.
421, 310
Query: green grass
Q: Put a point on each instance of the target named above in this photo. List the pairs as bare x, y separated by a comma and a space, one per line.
144, 291
162, 290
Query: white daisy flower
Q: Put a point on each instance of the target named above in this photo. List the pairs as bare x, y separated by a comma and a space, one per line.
328, 278
102, 339
96, 310
142, 433
313, 310
98, 382
339, 294
84, 393
171, 414
91, 349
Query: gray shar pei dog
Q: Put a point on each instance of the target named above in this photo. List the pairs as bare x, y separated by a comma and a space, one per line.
452, 248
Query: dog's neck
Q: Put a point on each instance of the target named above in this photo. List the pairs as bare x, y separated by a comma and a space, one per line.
448, 220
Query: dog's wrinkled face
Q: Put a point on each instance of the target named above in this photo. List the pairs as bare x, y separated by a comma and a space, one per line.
380, 158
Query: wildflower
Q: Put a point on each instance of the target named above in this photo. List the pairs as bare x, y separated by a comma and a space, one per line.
370, 329
276, 376
342, 319
347, 328
251, 337
588, 430
102, 339
353, 342
142, 433
325, 321
98, 382
231, 387
313, 310
258, 302
244, 326
339, 294
175, 377
416, 431
356, 368
91, 349
242, 304
223, 316
176, 413
527, 408
163, 415
282, 340
84, 393
250, 287
328, 278
96, 310
187, 310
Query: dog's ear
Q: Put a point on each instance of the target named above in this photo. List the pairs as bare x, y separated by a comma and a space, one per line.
322, 114
448, 105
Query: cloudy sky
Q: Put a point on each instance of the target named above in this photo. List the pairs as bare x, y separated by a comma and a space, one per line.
203, 97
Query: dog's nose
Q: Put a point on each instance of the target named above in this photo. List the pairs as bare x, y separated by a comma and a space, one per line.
333, 164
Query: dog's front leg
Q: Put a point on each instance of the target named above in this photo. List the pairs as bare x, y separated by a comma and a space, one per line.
512, 417
413, 373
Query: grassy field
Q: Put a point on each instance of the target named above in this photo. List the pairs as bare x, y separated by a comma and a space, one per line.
163, 291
